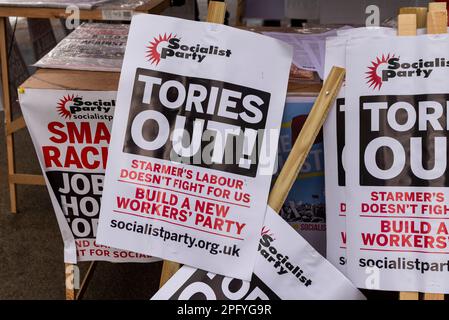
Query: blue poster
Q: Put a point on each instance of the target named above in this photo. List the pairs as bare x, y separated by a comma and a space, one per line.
304, 208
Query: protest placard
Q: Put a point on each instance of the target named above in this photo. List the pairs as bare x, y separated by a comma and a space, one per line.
397, 186
194, 143
71, 132
334, 151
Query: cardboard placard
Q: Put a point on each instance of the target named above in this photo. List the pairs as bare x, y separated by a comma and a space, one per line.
397, 230
71, 132
187, 183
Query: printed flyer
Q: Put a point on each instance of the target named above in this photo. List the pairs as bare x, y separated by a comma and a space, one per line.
397, 190
283, 272
194, 143
71, 132
304, 208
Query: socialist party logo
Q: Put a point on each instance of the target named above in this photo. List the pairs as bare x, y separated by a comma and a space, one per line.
375, 77
73, 106
388, 67
170, 46
63, 108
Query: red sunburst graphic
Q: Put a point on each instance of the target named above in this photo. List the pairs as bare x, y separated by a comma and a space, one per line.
267, 231
62, 110
374, 79
152, 54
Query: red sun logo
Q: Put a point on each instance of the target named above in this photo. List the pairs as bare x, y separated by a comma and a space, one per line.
153, 55
373, 77
62, 110
267, 231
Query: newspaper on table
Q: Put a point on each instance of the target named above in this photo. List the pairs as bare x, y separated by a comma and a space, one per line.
90, 47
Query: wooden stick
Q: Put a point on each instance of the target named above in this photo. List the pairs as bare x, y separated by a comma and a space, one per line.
405, 28
70, 281
421, 15
436, 22
215, 14
86, 280
437, 6
306, 138
8, 113
433, 296
408, 295
407, 24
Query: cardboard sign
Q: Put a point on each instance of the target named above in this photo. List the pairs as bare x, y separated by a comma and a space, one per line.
71, 132
397, 132
334, 151
194, 143
287, 268
304, 208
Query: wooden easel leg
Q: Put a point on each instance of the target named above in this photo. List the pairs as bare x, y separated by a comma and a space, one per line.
8, 114
70, 292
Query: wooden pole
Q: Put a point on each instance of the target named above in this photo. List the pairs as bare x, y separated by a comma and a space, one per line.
437, 18
436, 24
437, 6
70, 293
407, 24
89, 273
421, 15
306, 138
8, 112
215, 14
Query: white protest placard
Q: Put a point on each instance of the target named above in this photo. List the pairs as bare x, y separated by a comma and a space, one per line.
334, 143
287, 268
71, 132
397, 187
194, 142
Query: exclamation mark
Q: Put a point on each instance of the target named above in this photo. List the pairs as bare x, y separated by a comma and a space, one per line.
249, 143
